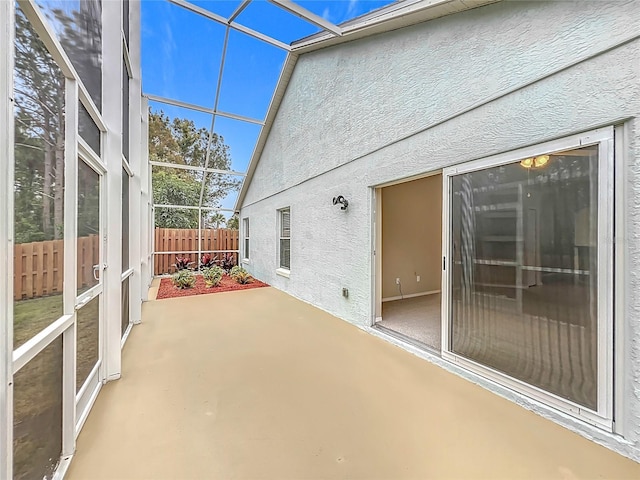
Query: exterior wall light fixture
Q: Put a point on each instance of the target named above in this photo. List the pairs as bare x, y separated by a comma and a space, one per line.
342, 201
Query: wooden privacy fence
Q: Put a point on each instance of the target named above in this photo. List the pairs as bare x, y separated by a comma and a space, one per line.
38, 267
191, 240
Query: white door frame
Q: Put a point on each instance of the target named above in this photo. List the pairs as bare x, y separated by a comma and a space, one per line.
85, 397
376, 210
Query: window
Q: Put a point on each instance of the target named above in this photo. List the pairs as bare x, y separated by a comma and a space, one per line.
284, 257
245, 229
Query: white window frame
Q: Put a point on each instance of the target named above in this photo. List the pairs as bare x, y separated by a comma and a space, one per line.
283, 270
603, 415
245, 240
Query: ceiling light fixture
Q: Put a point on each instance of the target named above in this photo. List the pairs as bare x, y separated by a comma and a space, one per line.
535, 162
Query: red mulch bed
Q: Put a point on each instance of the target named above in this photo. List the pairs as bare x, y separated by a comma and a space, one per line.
227, 284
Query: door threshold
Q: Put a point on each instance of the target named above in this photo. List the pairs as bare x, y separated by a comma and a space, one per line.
406, 339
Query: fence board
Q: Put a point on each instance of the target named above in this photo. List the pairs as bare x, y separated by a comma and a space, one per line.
48, 268
28, 255
38, 262
38, 267
185, 240
18, 270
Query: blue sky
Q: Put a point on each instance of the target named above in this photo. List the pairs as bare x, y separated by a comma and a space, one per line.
181, 53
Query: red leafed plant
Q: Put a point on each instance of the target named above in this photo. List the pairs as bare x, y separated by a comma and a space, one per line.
182, 263
207, 261
227, 262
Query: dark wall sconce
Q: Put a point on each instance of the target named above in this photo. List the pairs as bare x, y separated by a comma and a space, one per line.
342, 201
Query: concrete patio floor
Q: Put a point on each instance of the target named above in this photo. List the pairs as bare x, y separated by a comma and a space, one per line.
258, 385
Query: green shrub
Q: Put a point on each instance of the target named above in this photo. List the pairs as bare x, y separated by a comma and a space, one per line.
243, 277
184, 279
234, 271
212, 276
240, 275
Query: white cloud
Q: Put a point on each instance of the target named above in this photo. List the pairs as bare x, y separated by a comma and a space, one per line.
326, 14
351, 9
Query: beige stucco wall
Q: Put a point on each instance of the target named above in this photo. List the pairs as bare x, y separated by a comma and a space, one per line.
412, 236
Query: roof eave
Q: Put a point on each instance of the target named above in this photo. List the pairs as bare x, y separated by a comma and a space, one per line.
394, 16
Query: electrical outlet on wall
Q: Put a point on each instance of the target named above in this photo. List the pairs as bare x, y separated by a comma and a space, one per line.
398, 281
417, 278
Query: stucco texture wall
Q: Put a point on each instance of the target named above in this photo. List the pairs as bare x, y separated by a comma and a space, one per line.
415, 100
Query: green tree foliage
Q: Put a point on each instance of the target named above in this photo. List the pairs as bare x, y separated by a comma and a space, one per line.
39, 138
233, 223
216, 220
40, 115
179, 141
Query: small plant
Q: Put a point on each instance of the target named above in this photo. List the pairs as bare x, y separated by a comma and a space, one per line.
212, 276
242, 277
206, 261
227, 262
183, 279
234, 271
182, 263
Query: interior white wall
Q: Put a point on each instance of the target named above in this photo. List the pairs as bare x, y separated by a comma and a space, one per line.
418, 99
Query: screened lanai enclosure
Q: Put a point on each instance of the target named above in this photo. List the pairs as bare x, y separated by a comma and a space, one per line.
209, 89
427, 171
107, 177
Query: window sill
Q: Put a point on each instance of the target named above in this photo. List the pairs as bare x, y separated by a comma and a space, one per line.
282, 272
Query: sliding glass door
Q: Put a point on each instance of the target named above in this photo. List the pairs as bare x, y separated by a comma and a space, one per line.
529, 282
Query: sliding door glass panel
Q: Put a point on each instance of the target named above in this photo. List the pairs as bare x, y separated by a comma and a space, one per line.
124, 319
524, 282
88, 340
88, 227
39, 184
37, 415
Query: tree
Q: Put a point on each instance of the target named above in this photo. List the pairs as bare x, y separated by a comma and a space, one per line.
214, 220
233, 223
180, 142
40, 114
39, 138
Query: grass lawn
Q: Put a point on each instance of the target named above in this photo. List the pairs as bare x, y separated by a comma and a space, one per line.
37, 393
31, 316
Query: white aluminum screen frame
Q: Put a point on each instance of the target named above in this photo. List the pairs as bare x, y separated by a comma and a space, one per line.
230, 23
64, 327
